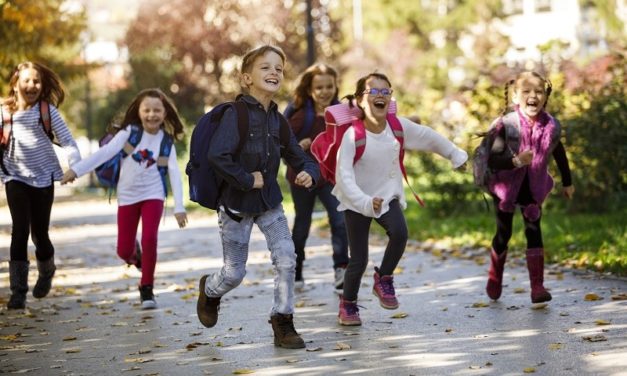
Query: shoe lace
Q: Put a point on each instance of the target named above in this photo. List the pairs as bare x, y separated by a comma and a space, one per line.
351, 308
387, 285
286, 325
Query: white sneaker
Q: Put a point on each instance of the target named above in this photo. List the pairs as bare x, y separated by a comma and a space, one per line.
147, 297
339, 278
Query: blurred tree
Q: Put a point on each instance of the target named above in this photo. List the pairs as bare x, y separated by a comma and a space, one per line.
47, 31
191, 48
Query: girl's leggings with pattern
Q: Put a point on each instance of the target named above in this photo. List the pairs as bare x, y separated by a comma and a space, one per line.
358, 229
150, 212
30, 209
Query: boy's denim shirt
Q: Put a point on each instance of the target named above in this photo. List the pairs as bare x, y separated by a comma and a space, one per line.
261, 152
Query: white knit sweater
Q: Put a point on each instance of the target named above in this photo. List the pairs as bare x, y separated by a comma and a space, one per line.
377, 173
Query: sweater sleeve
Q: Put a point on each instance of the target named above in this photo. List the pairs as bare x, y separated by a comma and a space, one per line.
103, 154
422, 138
345, 182
176, 183
62, 133
559, 153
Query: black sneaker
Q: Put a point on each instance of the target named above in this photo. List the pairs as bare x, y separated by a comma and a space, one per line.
147, 297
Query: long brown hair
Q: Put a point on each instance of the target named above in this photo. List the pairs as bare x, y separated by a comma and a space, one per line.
51, 88
171, 124
303, 90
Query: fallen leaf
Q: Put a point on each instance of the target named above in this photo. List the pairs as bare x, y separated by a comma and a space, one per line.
448, 330
243, 371
595, 338
72, 351
622, 296
69, 338
314, 349
400, 315
529, 370
26, 370
555, 346
537, 306
480, 305
519, 290
299, 304
591, 297
292, 361
602, 322
342, 346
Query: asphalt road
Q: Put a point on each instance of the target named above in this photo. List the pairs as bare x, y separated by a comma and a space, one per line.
92, 324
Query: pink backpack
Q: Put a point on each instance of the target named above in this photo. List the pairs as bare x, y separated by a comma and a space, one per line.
338, 119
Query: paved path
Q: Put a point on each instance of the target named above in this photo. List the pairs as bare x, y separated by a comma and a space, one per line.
92, 323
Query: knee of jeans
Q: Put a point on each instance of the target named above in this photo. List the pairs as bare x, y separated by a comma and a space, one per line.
285, 256
233, 276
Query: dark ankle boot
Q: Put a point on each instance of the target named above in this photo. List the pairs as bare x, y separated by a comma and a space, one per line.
284, 333
44, 280
495, 275
535, 265
207, 308
18, 280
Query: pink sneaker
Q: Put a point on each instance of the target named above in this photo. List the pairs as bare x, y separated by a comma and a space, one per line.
349, 313
384, 289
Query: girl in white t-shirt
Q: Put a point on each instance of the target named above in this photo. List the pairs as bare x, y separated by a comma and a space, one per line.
141, 188
372, 189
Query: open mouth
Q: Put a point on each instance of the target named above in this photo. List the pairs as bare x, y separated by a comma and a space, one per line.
532, 105
272, 81
379, 103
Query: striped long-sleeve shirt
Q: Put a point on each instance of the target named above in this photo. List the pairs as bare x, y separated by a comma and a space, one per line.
29, 156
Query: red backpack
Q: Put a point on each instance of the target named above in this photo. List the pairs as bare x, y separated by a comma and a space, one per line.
338, 118
7, 123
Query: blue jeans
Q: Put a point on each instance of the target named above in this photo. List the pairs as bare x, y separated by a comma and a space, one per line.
304, 201
235, 238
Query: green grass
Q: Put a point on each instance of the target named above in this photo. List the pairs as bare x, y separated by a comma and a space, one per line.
594, 241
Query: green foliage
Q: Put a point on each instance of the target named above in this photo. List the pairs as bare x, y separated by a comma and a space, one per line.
45, 31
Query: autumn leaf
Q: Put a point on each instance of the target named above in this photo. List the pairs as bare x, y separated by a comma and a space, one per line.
591, 297
595, 338
72, 351
314, 349
602, 322
342, 346
622, 296
243, 371
529, 370
69, 338
538, 306
400, 315
555, 346
480, 305
519, 290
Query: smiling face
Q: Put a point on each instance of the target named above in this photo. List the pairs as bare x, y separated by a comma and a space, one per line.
376, 105
28, 88
530, 95
323, 89
152, 114
266, 75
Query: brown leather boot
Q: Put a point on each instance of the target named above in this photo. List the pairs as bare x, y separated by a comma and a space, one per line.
284, 333
495, 275
535, 265
207, 308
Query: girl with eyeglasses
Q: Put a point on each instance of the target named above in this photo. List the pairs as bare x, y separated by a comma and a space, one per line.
372, 189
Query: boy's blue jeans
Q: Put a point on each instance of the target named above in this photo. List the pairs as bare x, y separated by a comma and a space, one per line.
235, 238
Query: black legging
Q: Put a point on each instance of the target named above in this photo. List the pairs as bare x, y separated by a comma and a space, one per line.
30, 209
358, 229
504, 220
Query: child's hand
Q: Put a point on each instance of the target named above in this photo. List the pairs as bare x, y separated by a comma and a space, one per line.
569, 191
377, 202
68, 177
258, 184
525, 157
305, 143
303, 179
181, 218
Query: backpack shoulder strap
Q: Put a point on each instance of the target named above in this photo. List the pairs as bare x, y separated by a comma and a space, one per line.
5, 127
165, 148
399, 133
360, 139
242, 123
44, 117
133, 139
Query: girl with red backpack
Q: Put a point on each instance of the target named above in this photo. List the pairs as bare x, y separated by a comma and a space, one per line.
372, 188
29, 167
141, 188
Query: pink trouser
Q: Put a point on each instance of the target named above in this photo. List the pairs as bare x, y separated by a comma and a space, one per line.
128, 219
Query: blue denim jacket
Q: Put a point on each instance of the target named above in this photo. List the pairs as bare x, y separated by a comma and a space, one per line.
261, 152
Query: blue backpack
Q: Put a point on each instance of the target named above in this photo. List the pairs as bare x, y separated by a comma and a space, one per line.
204, 184
108, 173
